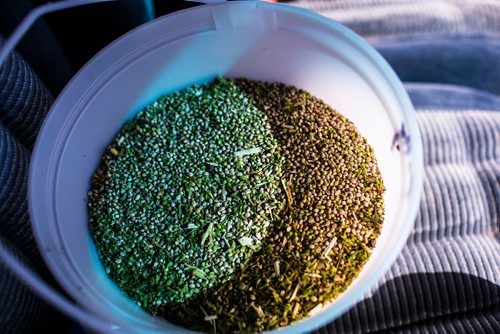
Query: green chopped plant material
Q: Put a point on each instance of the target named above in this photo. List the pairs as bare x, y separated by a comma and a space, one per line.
175, 195
254, 202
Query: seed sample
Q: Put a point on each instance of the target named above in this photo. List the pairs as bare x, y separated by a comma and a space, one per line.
237, 206
185, 194
322, 237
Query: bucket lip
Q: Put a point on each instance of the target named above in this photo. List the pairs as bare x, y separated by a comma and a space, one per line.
44, 210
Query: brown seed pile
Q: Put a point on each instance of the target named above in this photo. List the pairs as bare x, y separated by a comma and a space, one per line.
323, 237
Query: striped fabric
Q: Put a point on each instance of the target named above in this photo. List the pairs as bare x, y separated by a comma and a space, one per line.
458, 60
24, 99
14, 160
20, 310
375, 18
24, 102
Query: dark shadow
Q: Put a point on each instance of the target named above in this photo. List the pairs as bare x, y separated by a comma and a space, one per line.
463, 61
439, 302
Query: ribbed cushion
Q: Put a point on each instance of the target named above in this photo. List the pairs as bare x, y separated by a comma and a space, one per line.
24, 100
21, 312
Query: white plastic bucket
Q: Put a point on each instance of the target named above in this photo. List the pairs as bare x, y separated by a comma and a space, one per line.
255, 40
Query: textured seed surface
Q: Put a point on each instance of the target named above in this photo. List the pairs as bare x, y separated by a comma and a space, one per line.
324, 235
185, 194
304, 212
